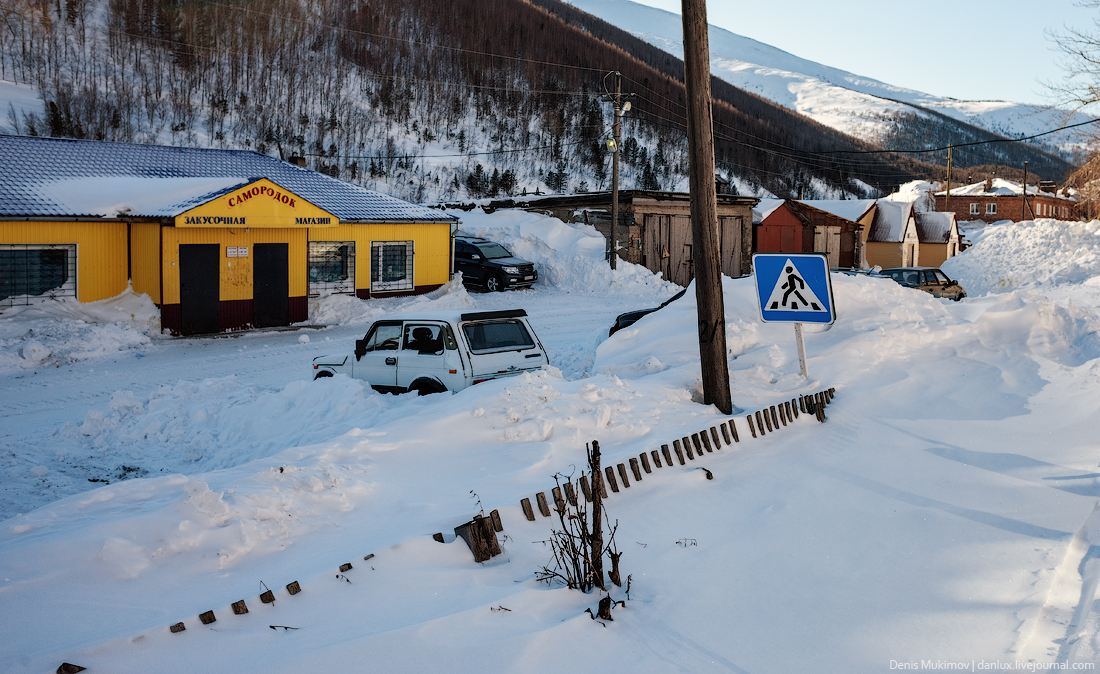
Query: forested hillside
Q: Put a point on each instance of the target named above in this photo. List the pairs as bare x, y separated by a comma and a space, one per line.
422, 99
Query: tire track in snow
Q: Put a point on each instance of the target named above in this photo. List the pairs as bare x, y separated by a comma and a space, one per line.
1079, 568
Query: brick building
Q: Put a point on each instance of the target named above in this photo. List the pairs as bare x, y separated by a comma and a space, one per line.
999, 199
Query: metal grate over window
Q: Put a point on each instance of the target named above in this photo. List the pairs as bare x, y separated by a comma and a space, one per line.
331, 266
391, 265
30, 271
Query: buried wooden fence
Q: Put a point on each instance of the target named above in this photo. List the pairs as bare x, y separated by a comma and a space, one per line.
480, 533
688, 448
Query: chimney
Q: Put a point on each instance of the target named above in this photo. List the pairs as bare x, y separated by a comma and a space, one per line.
298, 161
989, 184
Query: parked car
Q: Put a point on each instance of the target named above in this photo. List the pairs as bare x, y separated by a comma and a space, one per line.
928, 279
491, 266
629, 318
432, 352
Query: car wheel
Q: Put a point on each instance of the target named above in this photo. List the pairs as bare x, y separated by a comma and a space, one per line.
321, 374
425, 387
493, 283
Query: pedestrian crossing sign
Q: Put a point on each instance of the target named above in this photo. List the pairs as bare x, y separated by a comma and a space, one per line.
794, 287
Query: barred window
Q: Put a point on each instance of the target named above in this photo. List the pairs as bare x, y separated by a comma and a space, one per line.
331, 266
36, 270
391, 265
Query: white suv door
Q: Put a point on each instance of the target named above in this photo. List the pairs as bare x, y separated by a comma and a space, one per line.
423, 354
376, 355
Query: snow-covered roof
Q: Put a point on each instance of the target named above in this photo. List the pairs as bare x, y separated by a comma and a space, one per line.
765, 208
81, 178
849, 209
999, 187
891, 219
934, 227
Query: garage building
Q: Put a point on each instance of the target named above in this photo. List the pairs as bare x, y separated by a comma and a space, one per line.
219, 239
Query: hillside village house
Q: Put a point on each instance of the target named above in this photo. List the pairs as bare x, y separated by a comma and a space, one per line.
833, 227
219, 239
655, 227
999, 199
938, 238
893, 240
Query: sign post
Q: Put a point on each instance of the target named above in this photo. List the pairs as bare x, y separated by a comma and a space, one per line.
794, 288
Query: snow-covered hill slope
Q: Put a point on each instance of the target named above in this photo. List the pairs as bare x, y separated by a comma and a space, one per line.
857, 105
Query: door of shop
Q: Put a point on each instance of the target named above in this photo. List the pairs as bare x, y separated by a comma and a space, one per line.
199, 288
270, 285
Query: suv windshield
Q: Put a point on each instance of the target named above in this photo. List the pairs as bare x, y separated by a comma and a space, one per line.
493, 251
498, 336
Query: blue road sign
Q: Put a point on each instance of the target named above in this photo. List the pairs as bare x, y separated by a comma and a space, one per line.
794, 287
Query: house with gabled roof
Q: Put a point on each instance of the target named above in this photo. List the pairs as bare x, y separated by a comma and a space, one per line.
821, 226
938, 237
219, 239
893, 240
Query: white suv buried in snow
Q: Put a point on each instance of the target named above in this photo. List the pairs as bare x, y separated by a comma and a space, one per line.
440, 351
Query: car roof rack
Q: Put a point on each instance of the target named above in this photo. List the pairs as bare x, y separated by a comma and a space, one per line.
488, 315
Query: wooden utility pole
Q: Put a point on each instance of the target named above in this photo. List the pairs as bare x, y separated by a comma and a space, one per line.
704, 209
1027, 206
947, 199
615, 175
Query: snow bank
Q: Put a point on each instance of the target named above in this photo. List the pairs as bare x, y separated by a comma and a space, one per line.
55, 332
569, 257
193, 427
1030, 254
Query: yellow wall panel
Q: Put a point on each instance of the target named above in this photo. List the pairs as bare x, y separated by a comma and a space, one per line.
236, 272
145, 258
885, 255
431, 248
100, 251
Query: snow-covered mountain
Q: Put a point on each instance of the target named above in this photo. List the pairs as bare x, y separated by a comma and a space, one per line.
861, 106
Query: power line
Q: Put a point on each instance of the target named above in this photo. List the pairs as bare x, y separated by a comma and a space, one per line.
403, 40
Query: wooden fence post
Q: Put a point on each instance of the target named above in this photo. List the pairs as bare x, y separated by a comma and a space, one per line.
733, 431
609, 471
706, 441
634, 468
585, 489
480, 538
714, 436
544, 508
622, 475
527, 511
687, 448
559, 502
775, 419
679, 452
759, 422
752, 428
645, 462
570, 493
726, 433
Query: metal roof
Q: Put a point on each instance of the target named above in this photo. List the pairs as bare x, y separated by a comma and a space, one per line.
43, 177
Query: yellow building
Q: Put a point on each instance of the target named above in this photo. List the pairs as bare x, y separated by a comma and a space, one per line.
219, 239
892, 240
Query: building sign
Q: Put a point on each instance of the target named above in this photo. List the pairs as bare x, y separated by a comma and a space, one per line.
261, 204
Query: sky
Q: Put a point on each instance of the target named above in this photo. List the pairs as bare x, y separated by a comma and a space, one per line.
966, 50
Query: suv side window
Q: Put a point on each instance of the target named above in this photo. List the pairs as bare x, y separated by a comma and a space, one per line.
423, 338
384, 337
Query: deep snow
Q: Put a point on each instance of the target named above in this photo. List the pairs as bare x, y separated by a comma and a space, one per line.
945, 511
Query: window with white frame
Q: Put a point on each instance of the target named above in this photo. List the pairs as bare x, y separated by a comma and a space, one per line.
36, 270
991, 208
391, 265
975, 209
331, 267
